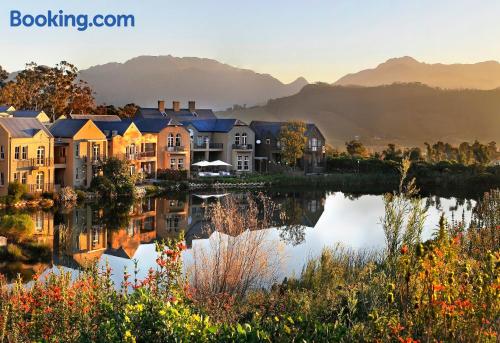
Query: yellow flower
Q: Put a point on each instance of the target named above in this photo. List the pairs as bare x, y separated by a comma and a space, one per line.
139, 307
128, 334
162, 313
127, 319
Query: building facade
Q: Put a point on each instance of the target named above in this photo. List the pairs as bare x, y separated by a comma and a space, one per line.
26, 155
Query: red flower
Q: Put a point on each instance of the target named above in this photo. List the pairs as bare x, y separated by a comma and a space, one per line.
404, 249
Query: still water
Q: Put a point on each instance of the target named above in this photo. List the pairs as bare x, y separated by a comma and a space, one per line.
120, 236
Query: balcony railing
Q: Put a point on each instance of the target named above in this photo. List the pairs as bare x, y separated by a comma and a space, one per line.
60, 160
177, 148
35, 162
94, 159
208, 146
146, 154
243, 146
46, 187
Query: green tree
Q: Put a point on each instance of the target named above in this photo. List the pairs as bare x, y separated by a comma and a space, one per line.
392, 154
115, 179
3, 76
356, 149
293, 141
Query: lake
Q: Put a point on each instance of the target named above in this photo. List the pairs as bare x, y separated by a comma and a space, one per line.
118, 235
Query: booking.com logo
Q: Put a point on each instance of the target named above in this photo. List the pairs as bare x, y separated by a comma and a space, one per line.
81, 22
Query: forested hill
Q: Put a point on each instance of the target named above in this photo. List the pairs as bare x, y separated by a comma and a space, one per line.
407, 114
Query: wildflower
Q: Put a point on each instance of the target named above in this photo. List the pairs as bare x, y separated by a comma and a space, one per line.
162, 313
404, 249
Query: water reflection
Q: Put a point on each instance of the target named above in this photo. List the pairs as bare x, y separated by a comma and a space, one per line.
121, 232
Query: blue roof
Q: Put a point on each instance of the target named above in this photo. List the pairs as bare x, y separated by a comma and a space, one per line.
26, 114
4, 108
272, 129
67, 128
109, 126
182, 114
213, 125
150, 125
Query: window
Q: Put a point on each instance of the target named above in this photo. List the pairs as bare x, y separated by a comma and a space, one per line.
77, 149
96, 149
25, 153
131, 151
170, 141
39, 223
16, 152
40, 179
16, 177
24, 179
2, 153
246, 164
172, 163
132, 170
268, 141
77, 175
178, 139
199, 140
180, 163
40, 155
240, 163
2, 180
237, 139
244, 139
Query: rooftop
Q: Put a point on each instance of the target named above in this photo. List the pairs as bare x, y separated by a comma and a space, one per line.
23, 127
214, 125
67, 128
95, 117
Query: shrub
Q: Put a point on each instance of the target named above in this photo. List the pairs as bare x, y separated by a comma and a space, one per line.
172, 174
68, 195
16, 191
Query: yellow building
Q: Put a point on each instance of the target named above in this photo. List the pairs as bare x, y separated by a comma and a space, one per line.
80, 147
26, 154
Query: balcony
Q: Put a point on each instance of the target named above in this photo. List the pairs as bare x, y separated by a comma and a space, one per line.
146, 155
46, 187
208, 146
175, 148
94, 159
34, 163
242, 146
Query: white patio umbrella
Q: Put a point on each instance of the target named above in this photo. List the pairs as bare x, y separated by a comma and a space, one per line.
219, 163
202, 164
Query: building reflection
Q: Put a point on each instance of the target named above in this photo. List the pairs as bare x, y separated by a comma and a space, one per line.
83, 235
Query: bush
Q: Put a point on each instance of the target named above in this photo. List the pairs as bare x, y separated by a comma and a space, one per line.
80, 195
172, 174
16, 191
29, 197
68, 195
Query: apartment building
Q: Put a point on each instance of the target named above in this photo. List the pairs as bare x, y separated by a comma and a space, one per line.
26, 154
10, 111
268, 149
171, 142
79, 149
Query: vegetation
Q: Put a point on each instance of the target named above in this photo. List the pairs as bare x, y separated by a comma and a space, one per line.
356, 149
55, 90
115, 179
293, 142
16, 191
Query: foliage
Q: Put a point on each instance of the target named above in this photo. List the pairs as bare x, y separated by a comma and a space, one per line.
356, 149
16, 226
16, 191
465, 153
55, 90
68, 195
293, 141
115, 179
3, 76
127, 111
172, 174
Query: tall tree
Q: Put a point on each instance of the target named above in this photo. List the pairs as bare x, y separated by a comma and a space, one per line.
4, 75
356, 149
293, 141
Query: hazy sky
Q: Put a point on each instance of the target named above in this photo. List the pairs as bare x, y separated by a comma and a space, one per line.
320, 40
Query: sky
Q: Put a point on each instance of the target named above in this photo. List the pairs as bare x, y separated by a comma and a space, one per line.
319, 40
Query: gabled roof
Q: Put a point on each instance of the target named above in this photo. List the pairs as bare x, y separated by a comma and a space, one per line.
67, 128
26, 114
95, 117
265, 129
214, 125
182, 114
107, 127
5, 108
150, 125
23, 127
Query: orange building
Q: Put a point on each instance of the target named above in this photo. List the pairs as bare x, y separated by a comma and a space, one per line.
172, 142
80, 147
26, 155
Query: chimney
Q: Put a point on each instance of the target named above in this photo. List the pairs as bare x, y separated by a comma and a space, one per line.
161, 106
176, 106
192, 106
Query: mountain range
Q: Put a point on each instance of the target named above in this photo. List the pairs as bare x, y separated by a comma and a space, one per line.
482, 75
146, 79
405, 114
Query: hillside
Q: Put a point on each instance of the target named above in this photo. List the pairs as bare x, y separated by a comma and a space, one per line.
407, 114
482, 75
144, 80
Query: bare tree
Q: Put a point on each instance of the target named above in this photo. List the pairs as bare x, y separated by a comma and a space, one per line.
241, 256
